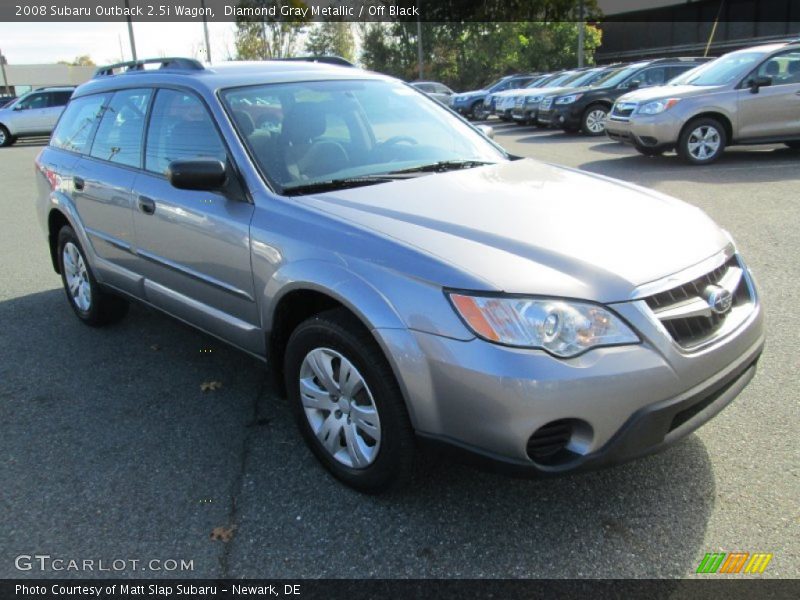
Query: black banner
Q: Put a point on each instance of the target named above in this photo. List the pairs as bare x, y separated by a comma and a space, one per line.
332, 589
784, 11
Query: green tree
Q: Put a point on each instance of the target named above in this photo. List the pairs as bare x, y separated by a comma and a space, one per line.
80, 61
263, 38
332, 38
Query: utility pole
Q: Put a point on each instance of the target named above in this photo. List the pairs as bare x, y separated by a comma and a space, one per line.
3, 70
581, 27
130, 30
205, 30
419, 43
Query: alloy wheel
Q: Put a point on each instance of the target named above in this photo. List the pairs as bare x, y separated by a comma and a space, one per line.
704, 143
596, 120
340, 408
77, 277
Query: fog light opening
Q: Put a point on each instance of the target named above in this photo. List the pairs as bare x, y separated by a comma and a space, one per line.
560, 442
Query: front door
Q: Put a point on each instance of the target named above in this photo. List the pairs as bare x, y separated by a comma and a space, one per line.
194, 246
774, 111
30, 114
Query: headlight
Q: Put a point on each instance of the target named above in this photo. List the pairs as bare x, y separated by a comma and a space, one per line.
564, 328
657, 106
568, 99
533, 99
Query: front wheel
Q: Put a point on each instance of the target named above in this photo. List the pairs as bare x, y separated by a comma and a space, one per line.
593, 121
347, 402
6, 139
702, 141
93, 305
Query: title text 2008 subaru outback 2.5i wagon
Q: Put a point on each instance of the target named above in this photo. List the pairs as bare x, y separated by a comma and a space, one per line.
405, 277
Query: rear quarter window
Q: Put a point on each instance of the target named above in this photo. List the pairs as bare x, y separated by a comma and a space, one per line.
77, 125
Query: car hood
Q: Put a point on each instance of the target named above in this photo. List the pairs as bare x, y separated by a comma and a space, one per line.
533, 228
473, 93
666, 91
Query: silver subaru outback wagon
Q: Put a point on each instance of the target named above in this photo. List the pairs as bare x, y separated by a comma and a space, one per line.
404, 277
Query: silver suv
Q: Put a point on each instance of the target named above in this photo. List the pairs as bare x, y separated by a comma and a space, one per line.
750, 96
32, 114
401, 275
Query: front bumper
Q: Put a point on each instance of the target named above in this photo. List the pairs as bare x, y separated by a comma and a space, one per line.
627, 401
649, 131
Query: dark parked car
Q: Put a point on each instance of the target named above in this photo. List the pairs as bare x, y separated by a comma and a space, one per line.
586, 109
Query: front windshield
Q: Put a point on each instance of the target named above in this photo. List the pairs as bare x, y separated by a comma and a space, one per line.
560, 79
724, 70
318, 131
583, 78
617, 76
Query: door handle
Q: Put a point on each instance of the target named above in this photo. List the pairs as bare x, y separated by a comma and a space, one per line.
79, 183
147, 205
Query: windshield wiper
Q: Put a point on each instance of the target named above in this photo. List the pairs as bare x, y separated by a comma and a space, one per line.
442, 166
335, 184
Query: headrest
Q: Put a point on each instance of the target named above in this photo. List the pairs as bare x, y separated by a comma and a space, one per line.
303, 123
773, 68
245, 122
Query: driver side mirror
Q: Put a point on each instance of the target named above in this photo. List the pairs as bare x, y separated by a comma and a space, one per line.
200, 174
635, 84
486, 130
758, 82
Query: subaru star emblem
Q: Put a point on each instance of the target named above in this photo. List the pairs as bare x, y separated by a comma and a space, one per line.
719, 299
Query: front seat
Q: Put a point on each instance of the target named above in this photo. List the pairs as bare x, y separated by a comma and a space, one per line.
305, 156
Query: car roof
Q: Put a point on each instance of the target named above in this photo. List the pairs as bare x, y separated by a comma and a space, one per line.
219, 76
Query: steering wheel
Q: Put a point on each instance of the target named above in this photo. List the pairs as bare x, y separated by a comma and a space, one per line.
398, 139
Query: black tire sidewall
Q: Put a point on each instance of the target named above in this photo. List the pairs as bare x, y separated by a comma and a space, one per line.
9, 139
396, 449
683, 141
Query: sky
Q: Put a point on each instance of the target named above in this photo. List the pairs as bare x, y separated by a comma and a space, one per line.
39, 43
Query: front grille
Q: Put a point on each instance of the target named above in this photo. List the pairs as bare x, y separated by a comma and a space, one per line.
685, 311
622, 111
519, 101
546, 103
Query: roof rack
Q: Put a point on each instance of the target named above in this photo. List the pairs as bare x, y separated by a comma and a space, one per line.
328, 60
185, 64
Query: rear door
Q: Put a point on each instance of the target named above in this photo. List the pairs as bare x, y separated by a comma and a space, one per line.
194, 246
55, 106
774, 111
103, 182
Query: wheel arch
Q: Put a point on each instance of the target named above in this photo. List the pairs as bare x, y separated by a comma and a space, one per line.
303, 289
56, 219
724, 120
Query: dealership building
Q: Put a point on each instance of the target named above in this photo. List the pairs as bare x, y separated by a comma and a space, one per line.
18, 79
673, 28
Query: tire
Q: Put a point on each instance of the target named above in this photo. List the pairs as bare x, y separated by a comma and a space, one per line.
593, 120
702, 141
650, 150
793, 145
475, 111
323, 344
6, 139
92, 304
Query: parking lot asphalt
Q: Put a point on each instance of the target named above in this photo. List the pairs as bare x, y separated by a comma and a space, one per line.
110, 450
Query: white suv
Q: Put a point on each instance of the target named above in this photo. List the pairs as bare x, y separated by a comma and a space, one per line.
32, 114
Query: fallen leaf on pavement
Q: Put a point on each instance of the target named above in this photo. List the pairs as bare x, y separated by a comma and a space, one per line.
223, 534
210, 386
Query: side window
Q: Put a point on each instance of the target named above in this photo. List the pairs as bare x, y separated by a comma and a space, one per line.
33, 101
59, 98
180, 128
119, 135
652, 77
783, 68
77, 124
675, 70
